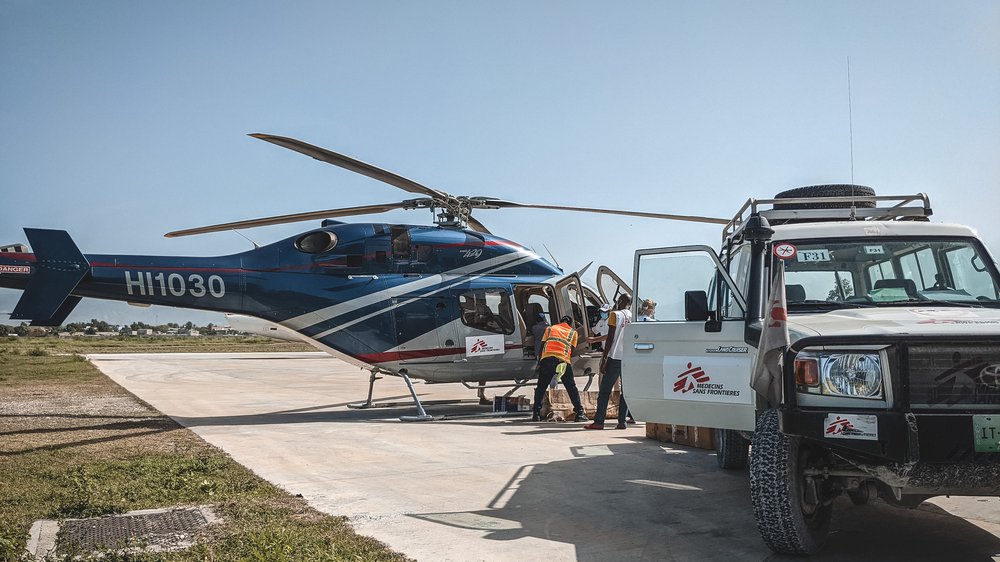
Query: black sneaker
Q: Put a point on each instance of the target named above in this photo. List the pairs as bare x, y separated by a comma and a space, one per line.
581, 417
536, 417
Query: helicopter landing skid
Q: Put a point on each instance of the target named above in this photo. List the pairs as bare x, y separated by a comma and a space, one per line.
422, 414
371, 387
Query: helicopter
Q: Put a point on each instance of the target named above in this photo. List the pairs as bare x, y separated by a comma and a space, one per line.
447, 303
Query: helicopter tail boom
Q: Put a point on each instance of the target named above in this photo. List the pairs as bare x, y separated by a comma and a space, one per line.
48, 276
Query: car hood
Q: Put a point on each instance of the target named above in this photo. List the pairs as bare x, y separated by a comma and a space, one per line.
925, 320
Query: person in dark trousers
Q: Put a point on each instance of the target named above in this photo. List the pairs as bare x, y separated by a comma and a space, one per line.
558, 342
611, 365
538, 331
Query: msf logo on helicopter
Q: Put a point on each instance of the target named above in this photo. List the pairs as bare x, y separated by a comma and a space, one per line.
472, 253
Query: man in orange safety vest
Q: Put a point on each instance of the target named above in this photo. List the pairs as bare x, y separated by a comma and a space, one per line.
558, 343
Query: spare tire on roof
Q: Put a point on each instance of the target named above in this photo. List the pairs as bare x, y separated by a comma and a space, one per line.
829, 190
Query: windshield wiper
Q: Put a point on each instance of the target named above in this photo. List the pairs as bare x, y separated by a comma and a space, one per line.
967, 304
838, 304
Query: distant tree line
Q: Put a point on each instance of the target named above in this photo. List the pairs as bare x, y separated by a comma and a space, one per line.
96, 326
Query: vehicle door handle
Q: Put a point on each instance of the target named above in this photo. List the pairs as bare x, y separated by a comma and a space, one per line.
643, 346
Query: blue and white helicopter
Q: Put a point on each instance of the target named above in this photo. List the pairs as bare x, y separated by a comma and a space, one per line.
443, 303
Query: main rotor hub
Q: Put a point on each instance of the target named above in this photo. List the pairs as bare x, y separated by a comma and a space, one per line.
455, 211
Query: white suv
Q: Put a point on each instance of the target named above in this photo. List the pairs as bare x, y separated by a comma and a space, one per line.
890, 383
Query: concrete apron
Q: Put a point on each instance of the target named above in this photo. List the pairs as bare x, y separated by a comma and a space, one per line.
500, 489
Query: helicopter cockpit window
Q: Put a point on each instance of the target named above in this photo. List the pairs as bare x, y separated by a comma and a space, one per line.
317, 242
488, 310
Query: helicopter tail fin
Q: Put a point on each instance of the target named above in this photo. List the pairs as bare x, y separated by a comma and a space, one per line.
58, 268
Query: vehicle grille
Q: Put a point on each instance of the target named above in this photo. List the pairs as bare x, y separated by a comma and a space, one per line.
954, 375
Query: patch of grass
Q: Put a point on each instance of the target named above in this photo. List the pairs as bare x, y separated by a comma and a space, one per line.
74, 444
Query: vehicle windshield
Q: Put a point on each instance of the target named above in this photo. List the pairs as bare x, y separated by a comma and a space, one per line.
867, 272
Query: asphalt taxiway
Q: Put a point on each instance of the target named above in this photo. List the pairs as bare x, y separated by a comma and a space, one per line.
469, 488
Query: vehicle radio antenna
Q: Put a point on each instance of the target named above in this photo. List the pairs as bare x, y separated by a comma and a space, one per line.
850, 120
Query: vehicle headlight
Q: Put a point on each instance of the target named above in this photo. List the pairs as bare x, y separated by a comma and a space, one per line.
856, 375
852, 374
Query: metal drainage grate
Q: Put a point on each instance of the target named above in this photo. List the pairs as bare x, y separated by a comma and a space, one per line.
154, 530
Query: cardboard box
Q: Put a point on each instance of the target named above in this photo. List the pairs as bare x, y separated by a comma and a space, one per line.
518, 403
658, 431
688, 435
556, 401
692, 436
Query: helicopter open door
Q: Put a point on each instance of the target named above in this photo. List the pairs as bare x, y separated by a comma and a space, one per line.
610, 285
570, 301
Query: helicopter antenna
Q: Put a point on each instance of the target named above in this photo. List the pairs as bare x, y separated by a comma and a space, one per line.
255, 245
554, 260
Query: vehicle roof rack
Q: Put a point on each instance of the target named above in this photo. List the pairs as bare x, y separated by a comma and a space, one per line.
894, 208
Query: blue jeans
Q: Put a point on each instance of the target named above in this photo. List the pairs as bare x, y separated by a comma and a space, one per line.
612, 372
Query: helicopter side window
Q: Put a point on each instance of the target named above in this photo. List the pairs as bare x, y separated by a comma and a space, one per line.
400, 243
317, 242
423, 252
488, 310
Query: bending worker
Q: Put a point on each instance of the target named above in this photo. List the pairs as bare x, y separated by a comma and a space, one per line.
558, 343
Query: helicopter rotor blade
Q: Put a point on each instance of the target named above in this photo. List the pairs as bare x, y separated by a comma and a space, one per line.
503, 204
477, 226
296, 217
351, 164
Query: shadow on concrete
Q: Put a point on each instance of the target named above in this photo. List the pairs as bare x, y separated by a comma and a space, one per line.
331, 413
678, 506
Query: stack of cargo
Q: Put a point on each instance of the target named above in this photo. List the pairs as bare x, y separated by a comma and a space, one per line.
557, 402
689, 435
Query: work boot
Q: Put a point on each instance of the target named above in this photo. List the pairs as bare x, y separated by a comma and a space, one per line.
581, 417
536, 416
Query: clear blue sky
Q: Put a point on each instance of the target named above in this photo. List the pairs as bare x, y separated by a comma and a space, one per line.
120, 121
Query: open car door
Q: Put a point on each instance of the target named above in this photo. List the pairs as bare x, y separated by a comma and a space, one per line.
689, 365
610, 285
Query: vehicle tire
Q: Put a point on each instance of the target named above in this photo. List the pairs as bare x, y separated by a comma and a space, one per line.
731, 449
787, 521
829, 190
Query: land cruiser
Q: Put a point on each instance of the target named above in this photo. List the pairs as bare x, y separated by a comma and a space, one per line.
889, 382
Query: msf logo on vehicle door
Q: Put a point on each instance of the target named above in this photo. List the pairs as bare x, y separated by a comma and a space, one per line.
686, 380
715, 378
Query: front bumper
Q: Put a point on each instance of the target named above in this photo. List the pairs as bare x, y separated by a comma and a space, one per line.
936, 429
922, 455
902, 437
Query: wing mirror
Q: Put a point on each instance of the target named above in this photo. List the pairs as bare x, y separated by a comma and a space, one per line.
696, 310
695, 306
